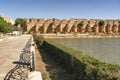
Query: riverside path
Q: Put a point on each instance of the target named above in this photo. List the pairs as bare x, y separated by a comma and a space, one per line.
10, 51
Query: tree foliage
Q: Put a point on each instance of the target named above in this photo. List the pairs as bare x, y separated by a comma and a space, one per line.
21, 22
80, 24
4, 26
101, 23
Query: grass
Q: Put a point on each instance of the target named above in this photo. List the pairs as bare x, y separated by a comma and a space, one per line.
45, 76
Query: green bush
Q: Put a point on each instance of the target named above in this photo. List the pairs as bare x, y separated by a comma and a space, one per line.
38, 39
45, 76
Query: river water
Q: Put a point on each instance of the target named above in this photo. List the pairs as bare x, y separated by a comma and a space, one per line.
104, 49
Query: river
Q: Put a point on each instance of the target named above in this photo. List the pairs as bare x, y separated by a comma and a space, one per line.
104, 49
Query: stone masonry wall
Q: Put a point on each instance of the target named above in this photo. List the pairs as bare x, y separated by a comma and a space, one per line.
72, 26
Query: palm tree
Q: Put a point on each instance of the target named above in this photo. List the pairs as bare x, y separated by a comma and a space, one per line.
101, 26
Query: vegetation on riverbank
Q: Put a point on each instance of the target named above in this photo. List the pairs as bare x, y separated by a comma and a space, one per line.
54, 70
82, 66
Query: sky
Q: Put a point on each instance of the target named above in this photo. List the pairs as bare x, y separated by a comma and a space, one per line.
61, 9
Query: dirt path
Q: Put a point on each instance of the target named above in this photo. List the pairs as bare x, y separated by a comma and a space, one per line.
39, 65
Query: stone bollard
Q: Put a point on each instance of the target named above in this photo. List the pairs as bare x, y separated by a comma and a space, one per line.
34, 75
32, 55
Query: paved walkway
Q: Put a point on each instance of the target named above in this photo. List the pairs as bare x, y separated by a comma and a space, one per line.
10, 51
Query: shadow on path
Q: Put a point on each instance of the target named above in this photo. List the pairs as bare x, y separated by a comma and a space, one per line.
20, 71
17, 72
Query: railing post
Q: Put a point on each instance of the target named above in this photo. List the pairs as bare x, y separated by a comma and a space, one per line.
33, 75
32, 56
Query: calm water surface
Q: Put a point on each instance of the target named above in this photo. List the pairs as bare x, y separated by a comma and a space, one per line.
107, 50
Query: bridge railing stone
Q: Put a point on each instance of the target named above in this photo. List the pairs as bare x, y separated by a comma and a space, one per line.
33, 75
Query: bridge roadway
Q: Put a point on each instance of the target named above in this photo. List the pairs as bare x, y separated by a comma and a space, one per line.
10, 51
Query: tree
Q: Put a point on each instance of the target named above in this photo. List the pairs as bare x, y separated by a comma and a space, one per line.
80, 27
20, 21
4, 26
80, 24
101, 23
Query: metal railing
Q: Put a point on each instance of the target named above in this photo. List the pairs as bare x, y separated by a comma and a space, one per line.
25, 68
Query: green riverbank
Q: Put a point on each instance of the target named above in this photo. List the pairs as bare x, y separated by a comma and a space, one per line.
82, 66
